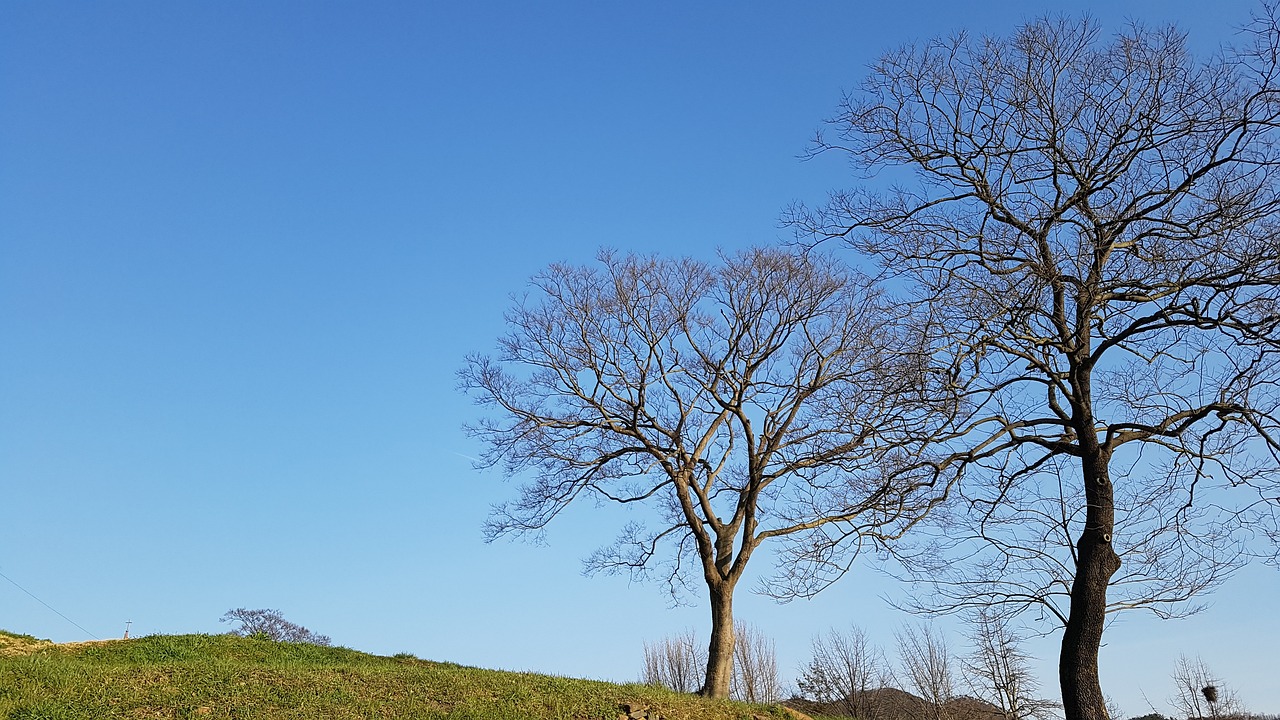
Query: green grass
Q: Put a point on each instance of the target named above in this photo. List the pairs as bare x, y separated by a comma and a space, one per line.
223, 676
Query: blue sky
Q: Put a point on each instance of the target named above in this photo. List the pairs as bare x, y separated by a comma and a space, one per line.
244, 247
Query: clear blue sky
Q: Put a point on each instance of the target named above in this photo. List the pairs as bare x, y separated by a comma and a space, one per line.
244, 246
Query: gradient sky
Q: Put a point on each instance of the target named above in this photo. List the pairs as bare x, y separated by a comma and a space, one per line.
244, 247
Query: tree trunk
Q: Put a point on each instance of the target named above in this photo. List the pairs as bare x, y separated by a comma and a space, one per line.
720, 651
1096, 562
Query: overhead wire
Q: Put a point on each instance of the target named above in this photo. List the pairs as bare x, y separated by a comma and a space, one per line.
55, 610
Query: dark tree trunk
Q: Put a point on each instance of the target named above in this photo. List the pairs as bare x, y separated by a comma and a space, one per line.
720, 651
1096, 562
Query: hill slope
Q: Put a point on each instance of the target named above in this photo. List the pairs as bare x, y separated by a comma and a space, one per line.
223, 676
15, 644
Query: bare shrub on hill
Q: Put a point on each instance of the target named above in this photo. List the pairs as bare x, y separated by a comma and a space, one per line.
675, 662
271, 625
998, 672
755, 667
925, 661
844, 672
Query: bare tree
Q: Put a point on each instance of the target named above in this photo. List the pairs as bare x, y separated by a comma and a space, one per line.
999, 672
845, 674
755, 667
1093, 254
926, 669
676, 662
271, 625
747, 401
1199, 695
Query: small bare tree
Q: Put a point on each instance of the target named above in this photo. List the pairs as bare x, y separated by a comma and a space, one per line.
1199, 695
925, 659
676, 662
271, 625
764, 398
755, 667
846, 674
1092, 242
998, 671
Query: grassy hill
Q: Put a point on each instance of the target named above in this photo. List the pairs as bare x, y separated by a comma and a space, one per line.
223, 676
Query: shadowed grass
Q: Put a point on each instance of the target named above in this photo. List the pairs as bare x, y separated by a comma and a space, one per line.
223, 676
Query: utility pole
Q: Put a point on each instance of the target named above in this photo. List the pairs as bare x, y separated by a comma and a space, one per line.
127, 623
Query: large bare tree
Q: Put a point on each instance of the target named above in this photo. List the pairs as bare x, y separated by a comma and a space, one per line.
1089, 229
756, 399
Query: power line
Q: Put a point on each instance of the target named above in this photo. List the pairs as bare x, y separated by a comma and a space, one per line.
33, 597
